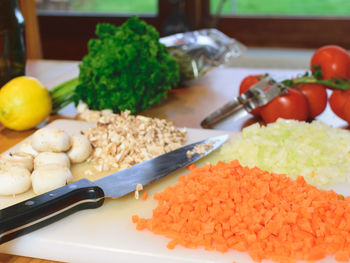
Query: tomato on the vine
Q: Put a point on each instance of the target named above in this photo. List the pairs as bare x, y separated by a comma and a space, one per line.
307, 97
316, 95
333, 60
249, 81
337, 102
292, 105
346, 109
246, 83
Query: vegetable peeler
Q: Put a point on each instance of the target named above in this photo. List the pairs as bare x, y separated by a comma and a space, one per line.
257, 95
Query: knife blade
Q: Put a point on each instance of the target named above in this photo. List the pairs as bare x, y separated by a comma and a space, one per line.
42, 210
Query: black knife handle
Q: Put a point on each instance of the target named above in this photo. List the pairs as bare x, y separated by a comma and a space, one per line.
47, 208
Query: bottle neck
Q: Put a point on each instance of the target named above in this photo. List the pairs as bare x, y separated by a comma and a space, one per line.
10, 13
6, 6
17, 12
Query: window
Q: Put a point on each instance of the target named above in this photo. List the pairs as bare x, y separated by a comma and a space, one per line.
282, 8
283, 23
67, 25
149, 7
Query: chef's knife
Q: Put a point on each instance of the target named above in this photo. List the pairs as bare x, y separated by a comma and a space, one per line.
49, 207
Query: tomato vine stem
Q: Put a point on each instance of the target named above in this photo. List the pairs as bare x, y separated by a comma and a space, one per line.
316, 78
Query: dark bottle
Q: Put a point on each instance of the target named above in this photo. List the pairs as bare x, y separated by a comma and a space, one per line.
12, 45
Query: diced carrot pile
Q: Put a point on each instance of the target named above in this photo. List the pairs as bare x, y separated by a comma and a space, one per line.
227, 206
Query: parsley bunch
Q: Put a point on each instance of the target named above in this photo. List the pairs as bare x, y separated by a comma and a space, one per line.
126, 68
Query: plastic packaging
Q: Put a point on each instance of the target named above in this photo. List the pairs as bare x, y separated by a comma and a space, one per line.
200, 51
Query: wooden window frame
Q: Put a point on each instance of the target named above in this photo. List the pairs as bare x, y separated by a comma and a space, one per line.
65, 36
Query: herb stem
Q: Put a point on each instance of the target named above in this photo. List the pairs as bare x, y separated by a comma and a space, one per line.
63, 94
334, 83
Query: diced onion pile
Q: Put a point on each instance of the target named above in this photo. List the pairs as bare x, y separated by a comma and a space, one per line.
319, 153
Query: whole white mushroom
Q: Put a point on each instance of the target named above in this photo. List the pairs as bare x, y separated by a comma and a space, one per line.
80, 150
49, 139
14, 180
49, 177
44, 158
26, 147
19, 159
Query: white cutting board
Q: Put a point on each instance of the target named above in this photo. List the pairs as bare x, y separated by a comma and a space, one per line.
107, 234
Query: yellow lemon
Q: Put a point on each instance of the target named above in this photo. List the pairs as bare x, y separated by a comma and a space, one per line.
24, 103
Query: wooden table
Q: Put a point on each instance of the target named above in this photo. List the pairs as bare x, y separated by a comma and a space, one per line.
186, 105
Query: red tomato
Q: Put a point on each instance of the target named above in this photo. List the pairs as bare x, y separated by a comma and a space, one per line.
346, 109
316, 95
292, 105
246, 83
333, 60
249, 81
337, 102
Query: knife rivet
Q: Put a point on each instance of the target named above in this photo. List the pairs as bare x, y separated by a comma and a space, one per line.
51, 195
30, 202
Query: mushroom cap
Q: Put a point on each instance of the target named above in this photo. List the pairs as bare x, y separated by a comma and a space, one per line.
26, 147
44, 158
49, 139
18, 159
14, 180
81, 149
49, 177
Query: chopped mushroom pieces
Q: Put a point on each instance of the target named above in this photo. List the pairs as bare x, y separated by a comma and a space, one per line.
139, 187
200, 149
122, 140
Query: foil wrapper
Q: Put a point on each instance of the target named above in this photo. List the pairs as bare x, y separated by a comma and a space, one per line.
198, 52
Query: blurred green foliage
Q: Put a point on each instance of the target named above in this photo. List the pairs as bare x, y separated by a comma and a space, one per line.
116, 6
239, 7
284, 7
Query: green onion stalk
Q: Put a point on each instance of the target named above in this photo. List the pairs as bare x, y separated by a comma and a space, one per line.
63, 94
